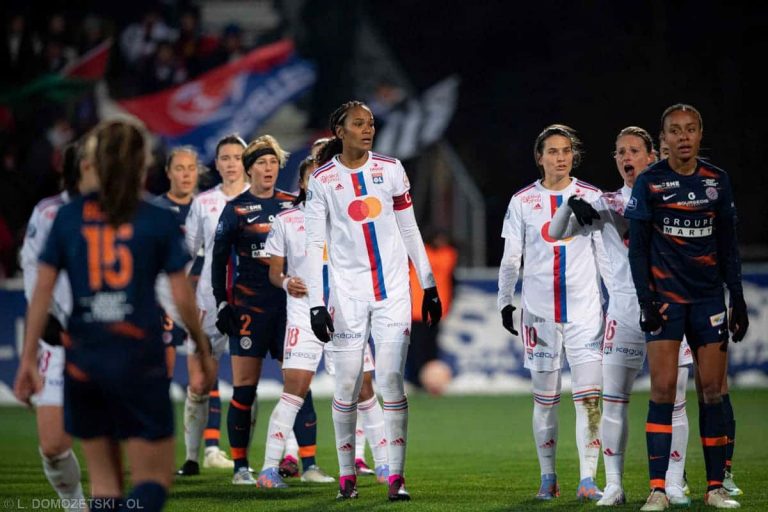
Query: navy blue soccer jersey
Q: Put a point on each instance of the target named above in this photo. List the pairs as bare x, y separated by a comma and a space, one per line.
692, 242
112, 271
243, 228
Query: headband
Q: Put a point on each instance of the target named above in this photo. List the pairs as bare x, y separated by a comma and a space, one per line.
250, 158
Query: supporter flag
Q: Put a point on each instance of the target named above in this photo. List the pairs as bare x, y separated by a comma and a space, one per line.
419, 122
74, 79
234, 98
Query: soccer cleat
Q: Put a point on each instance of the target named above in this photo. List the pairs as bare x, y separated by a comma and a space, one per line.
397, 490
189, 468
719, 498
657, 500
730, 485
243, 477
382, 473
686, 488
549, 488
676, 496
270, 479
613, 495
316, 475
216, 458
588, 490
289, 467
347, 488
362, 468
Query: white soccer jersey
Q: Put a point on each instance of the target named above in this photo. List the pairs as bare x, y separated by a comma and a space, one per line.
38, 228
200, 230
367, 249
560, 278
287, 239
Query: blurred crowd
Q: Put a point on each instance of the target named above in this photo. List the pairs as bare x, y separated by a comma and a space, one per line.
155, 45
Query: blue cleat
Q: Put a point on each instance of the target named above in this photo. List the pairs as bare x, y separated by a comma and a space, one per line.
588, 490
549, 488
270, 479
382, 473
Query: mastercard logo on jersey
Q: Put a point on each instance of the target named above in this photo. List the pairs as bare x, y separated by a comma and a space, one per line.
368, 208
546, 237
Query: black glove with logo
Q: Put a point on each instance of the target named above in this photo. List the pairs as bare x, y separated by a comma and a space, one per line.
321, 322
53, 330
582, 210
431, 307
650, 318
739, 320
226, 320
507, 319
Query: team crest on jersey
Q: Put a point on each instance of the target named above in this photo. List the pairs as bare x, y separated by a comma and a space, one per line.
377, 177
711, 193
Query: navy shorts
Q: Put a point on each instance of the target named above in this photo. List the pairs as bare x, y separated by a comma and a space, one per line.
173, 334
701, 323
128, 405
261, 331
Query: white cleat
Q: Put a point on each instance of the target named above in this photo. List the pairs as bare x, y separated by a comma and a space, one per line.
677, 496
316, 475
612, 495
657, 500
730, 485
243, 477
719, 498
215, 457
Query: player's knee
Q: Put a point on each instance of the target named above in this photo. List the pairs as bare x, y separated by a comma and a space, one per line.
345, 387
55, 447
711, 392
390, 382
366, 391
197, 386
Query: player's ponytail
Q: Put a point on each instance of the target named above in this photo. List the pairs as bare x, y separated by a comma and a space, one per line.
121, 158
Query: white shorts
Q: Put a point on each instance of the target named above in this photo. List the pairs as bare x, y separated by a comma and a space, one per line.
547, 343
51, 366
631, 353
368, 363
219, 342
623, 345
354, 321
685, 357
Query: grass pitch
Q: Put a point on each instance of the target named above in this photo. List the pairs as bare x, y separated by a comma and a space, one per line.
464, 453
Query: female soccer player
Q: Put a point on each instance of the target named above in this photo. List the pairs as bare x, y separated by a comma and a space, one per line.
562, 314
302, 351
682, 250
360, 202
59, 461
112, 245
624, 343
255, 321
200, 229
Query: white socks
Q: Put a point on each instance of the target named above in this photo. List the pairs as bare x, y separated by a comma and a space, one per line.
679, 432
617, 387
546, 401
370, 421
195, 420
280, 426
586, 387
63, 473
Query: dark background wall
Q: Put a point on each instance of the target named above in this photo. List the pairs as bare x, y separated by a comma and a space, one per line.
597, 66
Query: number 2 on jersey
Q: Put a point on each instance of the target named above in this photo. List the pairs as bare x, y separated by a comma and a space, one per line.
109, 260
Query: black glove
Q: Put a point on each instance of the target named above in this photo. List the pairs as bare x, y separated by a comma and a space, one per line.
739, 320
53, 330
321, 323
431, 307
582, 210
227, 321
507, 319
650, 318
